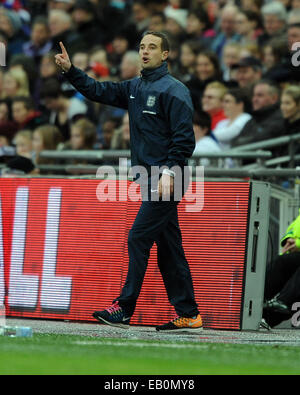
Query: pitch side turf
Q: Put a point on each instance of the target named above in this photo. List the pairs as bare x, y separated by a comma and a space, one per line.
76, 355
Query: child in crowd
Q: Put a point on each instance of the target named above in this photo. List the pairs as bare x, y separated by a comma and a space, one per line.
23, 143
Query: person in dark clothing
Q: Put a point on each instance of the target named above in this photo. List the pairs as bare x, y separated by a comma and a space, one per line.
84, 15
283, 278
290, 108
162, 139
267, 120
60, 25
207, 70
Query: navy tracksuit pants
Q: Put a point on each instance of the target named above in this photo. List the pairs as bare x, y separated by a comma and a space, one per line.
157, 222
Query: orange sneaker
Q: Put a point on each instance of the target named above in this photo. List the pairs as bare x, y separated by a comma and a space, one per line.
183, 324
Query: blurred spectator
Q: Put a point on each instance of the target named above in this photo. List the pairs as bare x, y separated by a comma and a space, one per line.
18, 166
235, 104
230, 57
8, 127
25, 114
227, 29
11, 26
274, 21
293, 46
63, 109
276, 61
23, 143
207, 70
267, 121
176, 23
188, 56
108, 129
87, 25
83, 135
27, 64
293, 35
290, 108
212, 102
248, 26
130, 66
60, 25
81, 60
250, 49
293, 16
124, 40
205, 140
157, 22
15, 83
40, 43
45, 137
141, 15
248, 71
121, 136
198, 27
48, 68
64, 5
252, 5
4, 141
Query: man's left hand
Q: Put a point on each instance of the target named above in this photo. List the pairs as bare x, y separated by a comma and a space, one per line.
166, 185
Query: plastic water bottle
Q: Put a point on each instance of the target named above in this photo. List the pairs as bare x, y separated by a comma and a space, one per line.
16, 331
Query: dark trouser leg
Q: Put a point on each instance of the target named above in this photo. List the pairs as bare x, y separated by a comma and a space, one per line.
151, 222
175, 270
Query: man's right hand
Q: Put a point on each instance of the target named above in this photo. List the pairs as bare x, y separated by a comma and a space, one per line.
290, 246
63, 60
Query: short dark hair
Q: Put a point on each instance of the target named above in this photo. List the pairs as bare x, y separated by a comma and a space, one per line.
240, 96
165, 45
51, 88
27, 101
202, 119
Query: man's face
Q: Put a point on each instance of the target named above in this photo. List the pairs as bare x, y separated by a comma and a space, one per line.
272, 24
211, 100
262, 97
19, 112
128, 69
293, 36
228, 23
151, 53
246, 76
156, 24
39, 34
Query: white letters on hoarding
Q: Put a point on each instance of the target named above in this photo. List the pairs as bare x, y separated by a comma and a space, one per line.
56, 291
23, 289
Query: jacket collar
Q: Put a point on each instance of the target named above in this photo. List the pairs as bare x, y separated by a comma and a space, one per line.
155, 74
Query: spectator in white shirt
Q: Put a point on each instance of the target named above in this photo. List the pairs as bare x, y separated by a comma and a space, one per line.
235, 104
205, 140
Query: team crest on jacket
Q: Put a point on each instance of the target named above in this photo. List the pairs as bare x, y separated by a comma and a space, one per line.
151, 101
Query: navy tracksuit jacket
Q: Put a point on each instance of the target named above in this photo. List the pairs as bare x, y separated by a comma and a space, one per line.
161, 134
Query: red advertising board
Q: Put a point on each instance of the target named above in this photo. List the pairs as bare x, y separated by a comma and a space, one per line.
63, 253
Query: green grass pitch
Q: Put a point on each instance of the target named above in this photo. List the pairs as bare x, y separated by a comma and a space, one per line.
78, 355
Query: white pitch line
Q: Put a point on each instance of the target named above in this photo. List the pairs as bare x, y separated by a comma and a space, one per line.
139, 344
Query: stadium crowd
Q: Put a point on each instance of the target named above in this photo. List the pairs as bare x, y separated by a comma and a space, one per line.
239, 60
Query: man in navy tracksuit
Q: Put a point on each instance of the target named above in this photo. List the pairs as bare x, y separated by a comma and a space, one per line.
161, 139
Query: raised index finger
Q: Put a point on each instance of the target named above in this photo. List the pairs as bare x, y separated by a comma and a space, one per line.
63, 49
